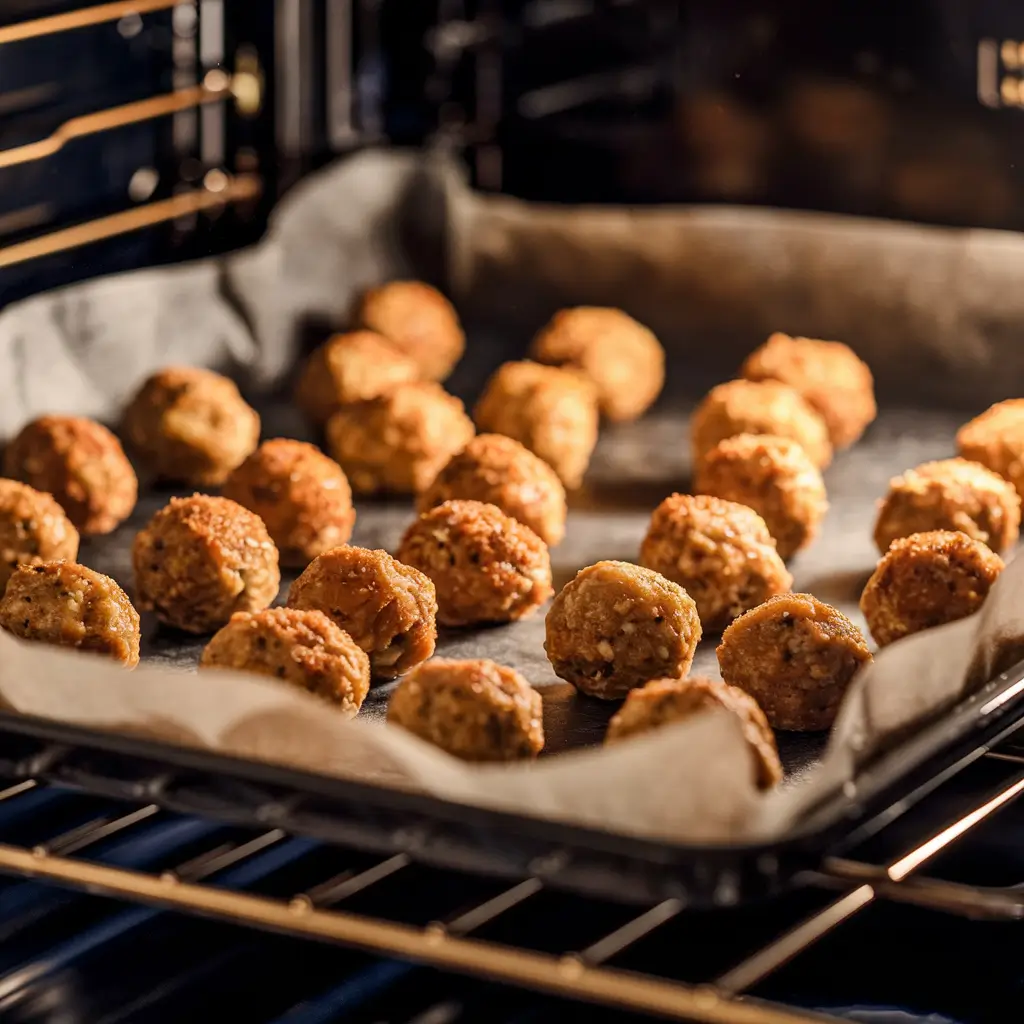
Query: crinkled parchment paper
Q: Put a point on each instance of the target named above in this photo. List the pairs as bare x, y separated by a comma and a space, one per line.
689, 782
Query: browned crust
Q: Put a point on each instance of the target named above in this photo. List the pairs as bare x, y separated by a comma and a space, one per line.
302, 496
388, 608
667, 701
303, 648
79, 462
201, 559
475, 710
33, 529
68, 605
926, 580
796, 656
486, 566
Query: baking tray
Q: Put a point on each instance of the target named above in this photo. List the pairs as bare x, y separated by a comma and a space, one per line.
634, 467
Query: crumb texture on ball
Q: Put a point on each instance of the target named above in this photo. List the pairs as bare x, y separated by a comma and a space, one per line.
68, 605
759, 407
420, 321
79, 462
623, 358
952, 494
996, 440
774, 477
303, 648
388, 608
668, 701
474, 710
485, 566
720, 552
829, 375
926, 580
201, 559
500, 471
33, 529
353, 367
616, 626
190, 426
550, 410
796, 656
397, 443
302, 496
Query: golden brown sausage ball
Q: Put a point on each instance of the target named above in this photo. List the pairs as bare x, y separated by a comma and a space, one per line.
828, 374
399, 442
500, 471
721, 554
622, 357
616, 626
190, 426
925, 580
486, 566
667, 701
302, 496
953, 494
81, 464
200, 560
795, 655
774, 477
420, 321
550, 410
304, 648
353, 367
474, 710
758, 407
71, 606
33, 529
388, 608
996, 440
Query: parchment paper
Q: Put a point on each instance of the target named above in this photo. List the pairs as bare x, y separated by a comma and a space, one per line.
688, 782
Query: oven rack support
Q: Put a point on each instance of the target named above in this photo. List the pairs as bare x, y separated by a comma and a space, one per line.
318, 913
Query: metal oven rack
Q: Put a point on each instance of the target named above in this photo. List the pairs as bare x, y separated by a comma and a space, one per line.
615, 956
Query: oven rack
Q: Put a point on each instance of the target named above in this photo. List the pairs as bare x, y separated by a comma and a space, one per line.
205, 176
337, 906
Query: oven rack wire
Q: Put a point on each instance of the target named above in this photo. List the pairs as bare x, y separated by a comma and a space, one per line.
219, 187
203, 885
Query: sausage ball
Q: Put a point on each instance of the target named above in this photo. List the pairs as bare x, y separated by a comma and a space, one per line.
500, 471
828, 374
33, 529
388, 608
420, 321
190, 426
758, 407
486, 566
200, 560
304, 648
474, 710
302, 496
925, 580
667, 701
622, 357
349, 368
774, 477
795, 655
953, 494
71, 606
550, 410
616, 626
721, 553
81, 464
996, 440
399, 441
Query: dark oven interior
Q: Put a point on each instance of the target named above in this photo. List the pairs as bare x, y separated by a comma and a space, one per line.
141, 132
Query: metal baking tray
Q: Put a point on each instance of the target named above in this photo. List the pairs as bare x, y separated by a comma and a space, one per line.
634, 467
